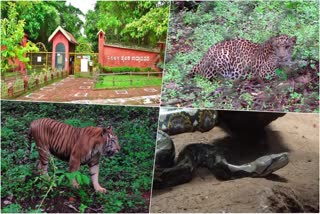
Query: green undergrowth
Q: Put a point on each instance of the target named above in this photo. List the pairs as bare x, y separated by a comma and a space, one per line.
127, 176
193, 32
17, 74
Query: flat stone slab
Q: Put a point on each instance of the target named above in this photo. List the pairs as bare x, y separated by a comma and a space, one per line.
81, 90
34, 96
58, 84
142, 100
85, 87
89, 83
150, 90
147, 101
80, 94
47, 88
121, 91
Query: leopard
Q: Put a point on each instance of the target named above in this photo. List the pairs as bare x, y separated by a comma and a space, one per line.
240, 58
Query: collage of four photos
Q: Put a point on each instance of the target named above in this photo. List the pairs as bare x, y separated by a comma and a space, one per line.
159, 106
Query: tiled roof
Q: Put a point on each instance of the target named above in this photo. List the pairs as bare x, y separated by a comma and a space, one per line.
68, 35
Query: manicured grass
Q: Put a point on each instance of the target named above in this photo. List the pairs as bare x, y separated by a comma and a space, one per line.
123, 81
83, 74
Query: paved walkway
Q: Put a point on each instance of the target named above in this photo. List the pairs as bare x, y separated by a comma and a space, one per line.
79, 90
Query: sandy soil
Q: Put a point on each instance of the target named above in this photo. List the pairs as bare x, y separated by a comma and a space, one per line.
294, 188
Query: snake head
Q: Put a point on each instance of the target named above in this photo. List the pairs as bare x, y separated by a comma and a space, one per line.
268, 164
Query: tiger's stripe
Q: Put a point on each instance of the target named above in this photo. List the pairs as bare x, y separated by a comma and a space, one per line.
76, 145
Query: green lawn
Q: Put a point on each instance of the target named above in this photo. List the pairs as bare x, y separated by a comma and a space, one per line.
123, 81
83, 74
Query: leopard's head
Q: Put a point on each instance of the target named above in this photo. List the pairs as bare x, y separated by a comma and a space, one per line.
110, 140
283, 46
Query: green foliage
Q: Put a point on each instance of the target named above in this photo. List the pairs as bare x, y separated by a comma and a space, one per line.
18, 86
281, 74
79, 123
82, 179
12, 208
120, 69
210, 26
32, 80
126, 176
155, 21
295, 95
41, 78
248, 98
84, 45
12, 32
192, 33
43, 17
82, 208
4, 89
143, 23
88, 75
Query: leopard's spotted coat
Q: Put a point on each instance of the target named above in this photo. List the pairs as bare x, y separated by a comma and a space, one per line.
239, 58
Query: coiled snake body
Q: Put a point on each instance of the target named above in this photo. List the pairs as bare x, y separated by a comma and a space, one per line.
171, 172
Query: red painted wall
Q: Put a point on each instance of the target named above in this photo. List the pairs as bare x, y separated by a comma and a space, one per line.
115, 56
19, 66
60, 38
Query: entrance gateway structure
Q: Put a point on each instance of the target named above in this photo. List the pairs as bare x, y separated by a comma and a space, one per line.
63, 43
63, 55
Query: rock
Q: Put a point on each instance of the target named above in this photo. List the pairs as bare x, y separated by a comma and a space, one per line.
6, 202
280, 198
165, 151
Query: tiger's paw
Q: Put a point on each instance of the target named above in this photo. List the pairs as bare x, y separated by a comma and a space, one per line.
101, 189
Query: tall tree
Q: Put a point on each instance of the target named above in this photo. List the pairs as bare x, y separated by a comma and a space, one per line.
121, 21
43, 17
91, 29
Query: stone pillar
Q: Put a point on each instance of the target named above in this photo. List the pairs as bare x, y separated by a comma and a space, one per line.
101, 42
22, 65
160, 58
161, 46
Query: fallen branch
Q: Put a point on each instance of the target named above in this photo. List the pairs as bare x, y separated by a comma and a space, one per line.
71, 206
96, 210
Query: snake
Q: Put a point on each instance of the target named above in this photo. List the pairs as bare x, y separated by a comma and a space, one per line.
171, 171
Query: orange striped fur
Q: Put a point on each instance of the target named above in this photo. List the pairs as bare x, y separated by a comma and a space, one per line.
76, 145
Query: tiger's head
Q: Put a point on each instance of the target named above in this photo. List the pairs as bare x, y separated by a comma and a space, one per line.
110, 142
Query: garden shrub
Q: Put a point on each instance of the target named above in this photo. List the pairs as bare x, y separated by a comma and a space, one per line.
106, 69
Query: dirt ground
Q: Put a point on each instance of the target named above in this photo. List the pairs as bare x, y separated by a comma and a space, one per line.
79, 90
294, 188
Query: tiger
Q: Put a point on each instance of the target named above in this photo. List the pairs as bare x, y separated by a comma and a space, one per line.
78, 146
